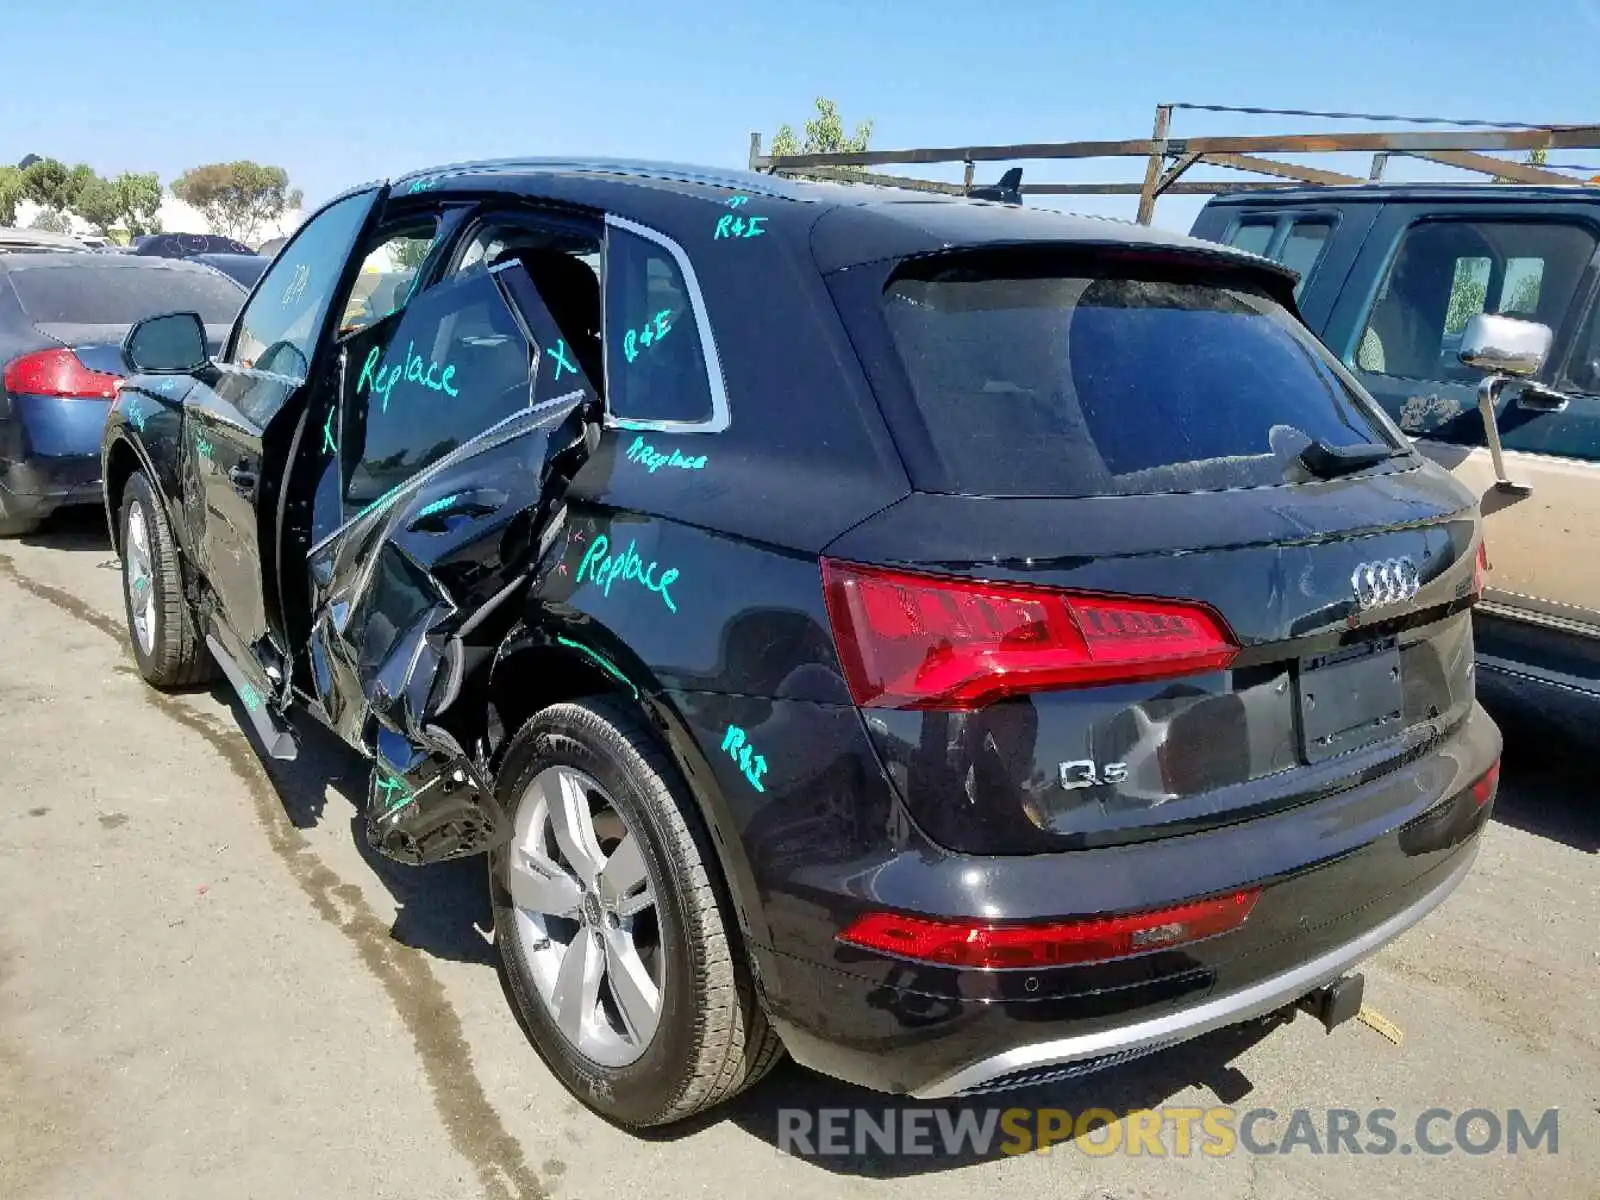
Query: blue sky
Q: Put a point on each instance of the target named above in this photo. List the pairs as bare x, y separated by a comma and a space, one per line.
340, 92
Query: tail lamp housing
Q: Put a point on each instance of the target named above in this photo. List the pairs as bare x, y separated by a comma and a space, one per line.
913, 640
58, 373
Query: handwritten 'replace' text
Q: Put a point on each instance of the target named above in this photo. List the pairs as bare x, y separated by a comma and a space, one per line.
381, 378
600, 566
652, 460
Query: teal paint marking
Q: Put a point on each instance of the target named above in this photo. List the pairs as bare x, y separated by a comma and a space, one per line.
731, 226
560, 355
437, 506
388, 785
250, 697
738, 201
604, 664
328, 443
381, 377
426, 184
134, 414
652, 460
736, 745
654, 330
605, 569
202, 447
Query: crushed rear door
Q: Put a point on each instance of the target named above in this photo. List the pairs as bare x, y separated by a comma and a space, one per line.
418, 541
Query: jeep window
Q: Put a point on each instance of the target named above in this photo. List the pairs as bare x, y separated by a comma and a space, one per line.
655, 365
1446, 272
422, 381
1300, 248
286, 312
1031, 383
387, 272
1254, 236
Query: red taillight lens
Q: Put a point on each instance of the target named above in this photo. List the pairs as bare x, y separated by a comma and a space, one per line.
1484, 787
1057, 944
1480, 569
57, 373
922, 641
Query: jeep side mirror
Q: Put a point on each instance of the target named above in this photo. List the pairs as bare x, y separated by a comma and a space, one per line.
171, 344
1504, 348
1505, 345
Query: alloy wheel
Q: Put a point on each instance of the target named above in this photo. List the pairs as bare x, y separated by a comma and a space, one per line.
585, 916
138, 576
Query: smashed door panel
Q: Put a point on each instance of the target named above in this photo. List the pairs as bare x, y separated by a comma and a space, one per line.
446, 454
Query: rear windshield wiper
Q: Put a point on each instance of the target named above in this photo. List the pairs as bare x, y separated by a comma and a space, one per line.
1329, 462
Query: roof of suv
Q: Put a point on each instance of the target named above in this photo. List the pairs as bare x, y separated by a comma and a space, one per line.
1438, 193
871, 223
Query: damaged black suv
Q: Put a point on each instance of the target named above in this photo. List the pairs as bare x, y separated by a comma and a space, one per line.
962, 646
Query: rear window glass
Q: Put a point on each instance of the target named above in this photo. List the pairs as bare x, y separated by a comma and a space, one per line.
93, 293
1078, 385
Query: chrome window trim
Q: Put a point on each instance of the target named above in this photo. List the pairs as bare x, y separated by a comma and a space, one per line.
720, 418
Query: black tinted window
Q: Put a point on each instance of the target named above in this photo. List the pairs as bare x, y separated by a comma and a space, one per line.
1070, 385
422, 381
1447, 272
655, 365
93, 292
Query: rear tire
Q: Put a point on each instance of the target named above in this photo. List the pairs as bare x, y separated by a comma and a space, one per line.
161, 626
656, 949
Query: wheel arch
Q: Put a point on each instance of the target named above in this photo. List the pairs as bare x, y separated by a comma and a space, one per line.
122, 457
535, 668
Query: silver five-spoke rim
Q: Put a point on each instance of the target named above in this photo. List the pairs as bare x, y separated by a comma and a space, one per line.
139, 579
586, 918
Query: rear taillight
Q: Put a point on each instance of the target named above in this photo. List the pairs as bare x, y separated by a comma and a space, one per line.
1480, 569
908, 640
1056, 944
1484, 787
57, 373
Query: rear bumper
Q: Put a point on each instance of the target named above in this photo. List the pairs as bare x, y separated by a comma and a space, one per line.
1030, 1064
1340, 878
50, 454
37, 486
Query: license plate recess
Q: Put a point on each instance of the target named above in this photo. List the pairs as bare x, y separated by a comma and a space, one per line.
1349, 698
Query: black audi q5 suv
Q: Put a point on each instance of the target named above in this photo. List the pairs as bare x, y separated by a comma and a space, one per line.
960, 645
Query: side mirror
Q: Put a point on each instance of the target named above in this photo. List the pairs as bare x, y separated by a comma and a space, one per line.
171, 344
1505, 345
1504, 348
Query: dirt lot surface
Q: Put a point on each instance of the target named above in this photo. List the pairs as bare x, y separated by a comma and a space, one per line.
210, 988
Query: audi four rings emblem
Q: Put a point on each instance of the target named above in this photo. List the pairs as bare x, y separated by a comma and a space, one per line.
1387, 582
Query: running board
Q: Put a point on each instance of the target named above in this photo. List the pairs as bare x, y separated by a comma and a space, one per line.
277, 739
1540, 675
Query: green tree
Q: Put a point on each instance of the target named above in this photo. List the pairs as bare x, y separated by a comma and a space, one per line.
130, 202
237, 198
54, 186
52, 222
824, 134
10, 194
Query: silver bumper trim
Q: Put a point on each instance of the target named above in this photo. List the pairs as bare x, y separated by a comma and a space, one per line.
1256, 1000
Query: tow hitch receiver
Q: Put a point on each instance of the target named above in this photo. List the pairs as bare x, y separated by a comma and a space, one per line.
1335, 1003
